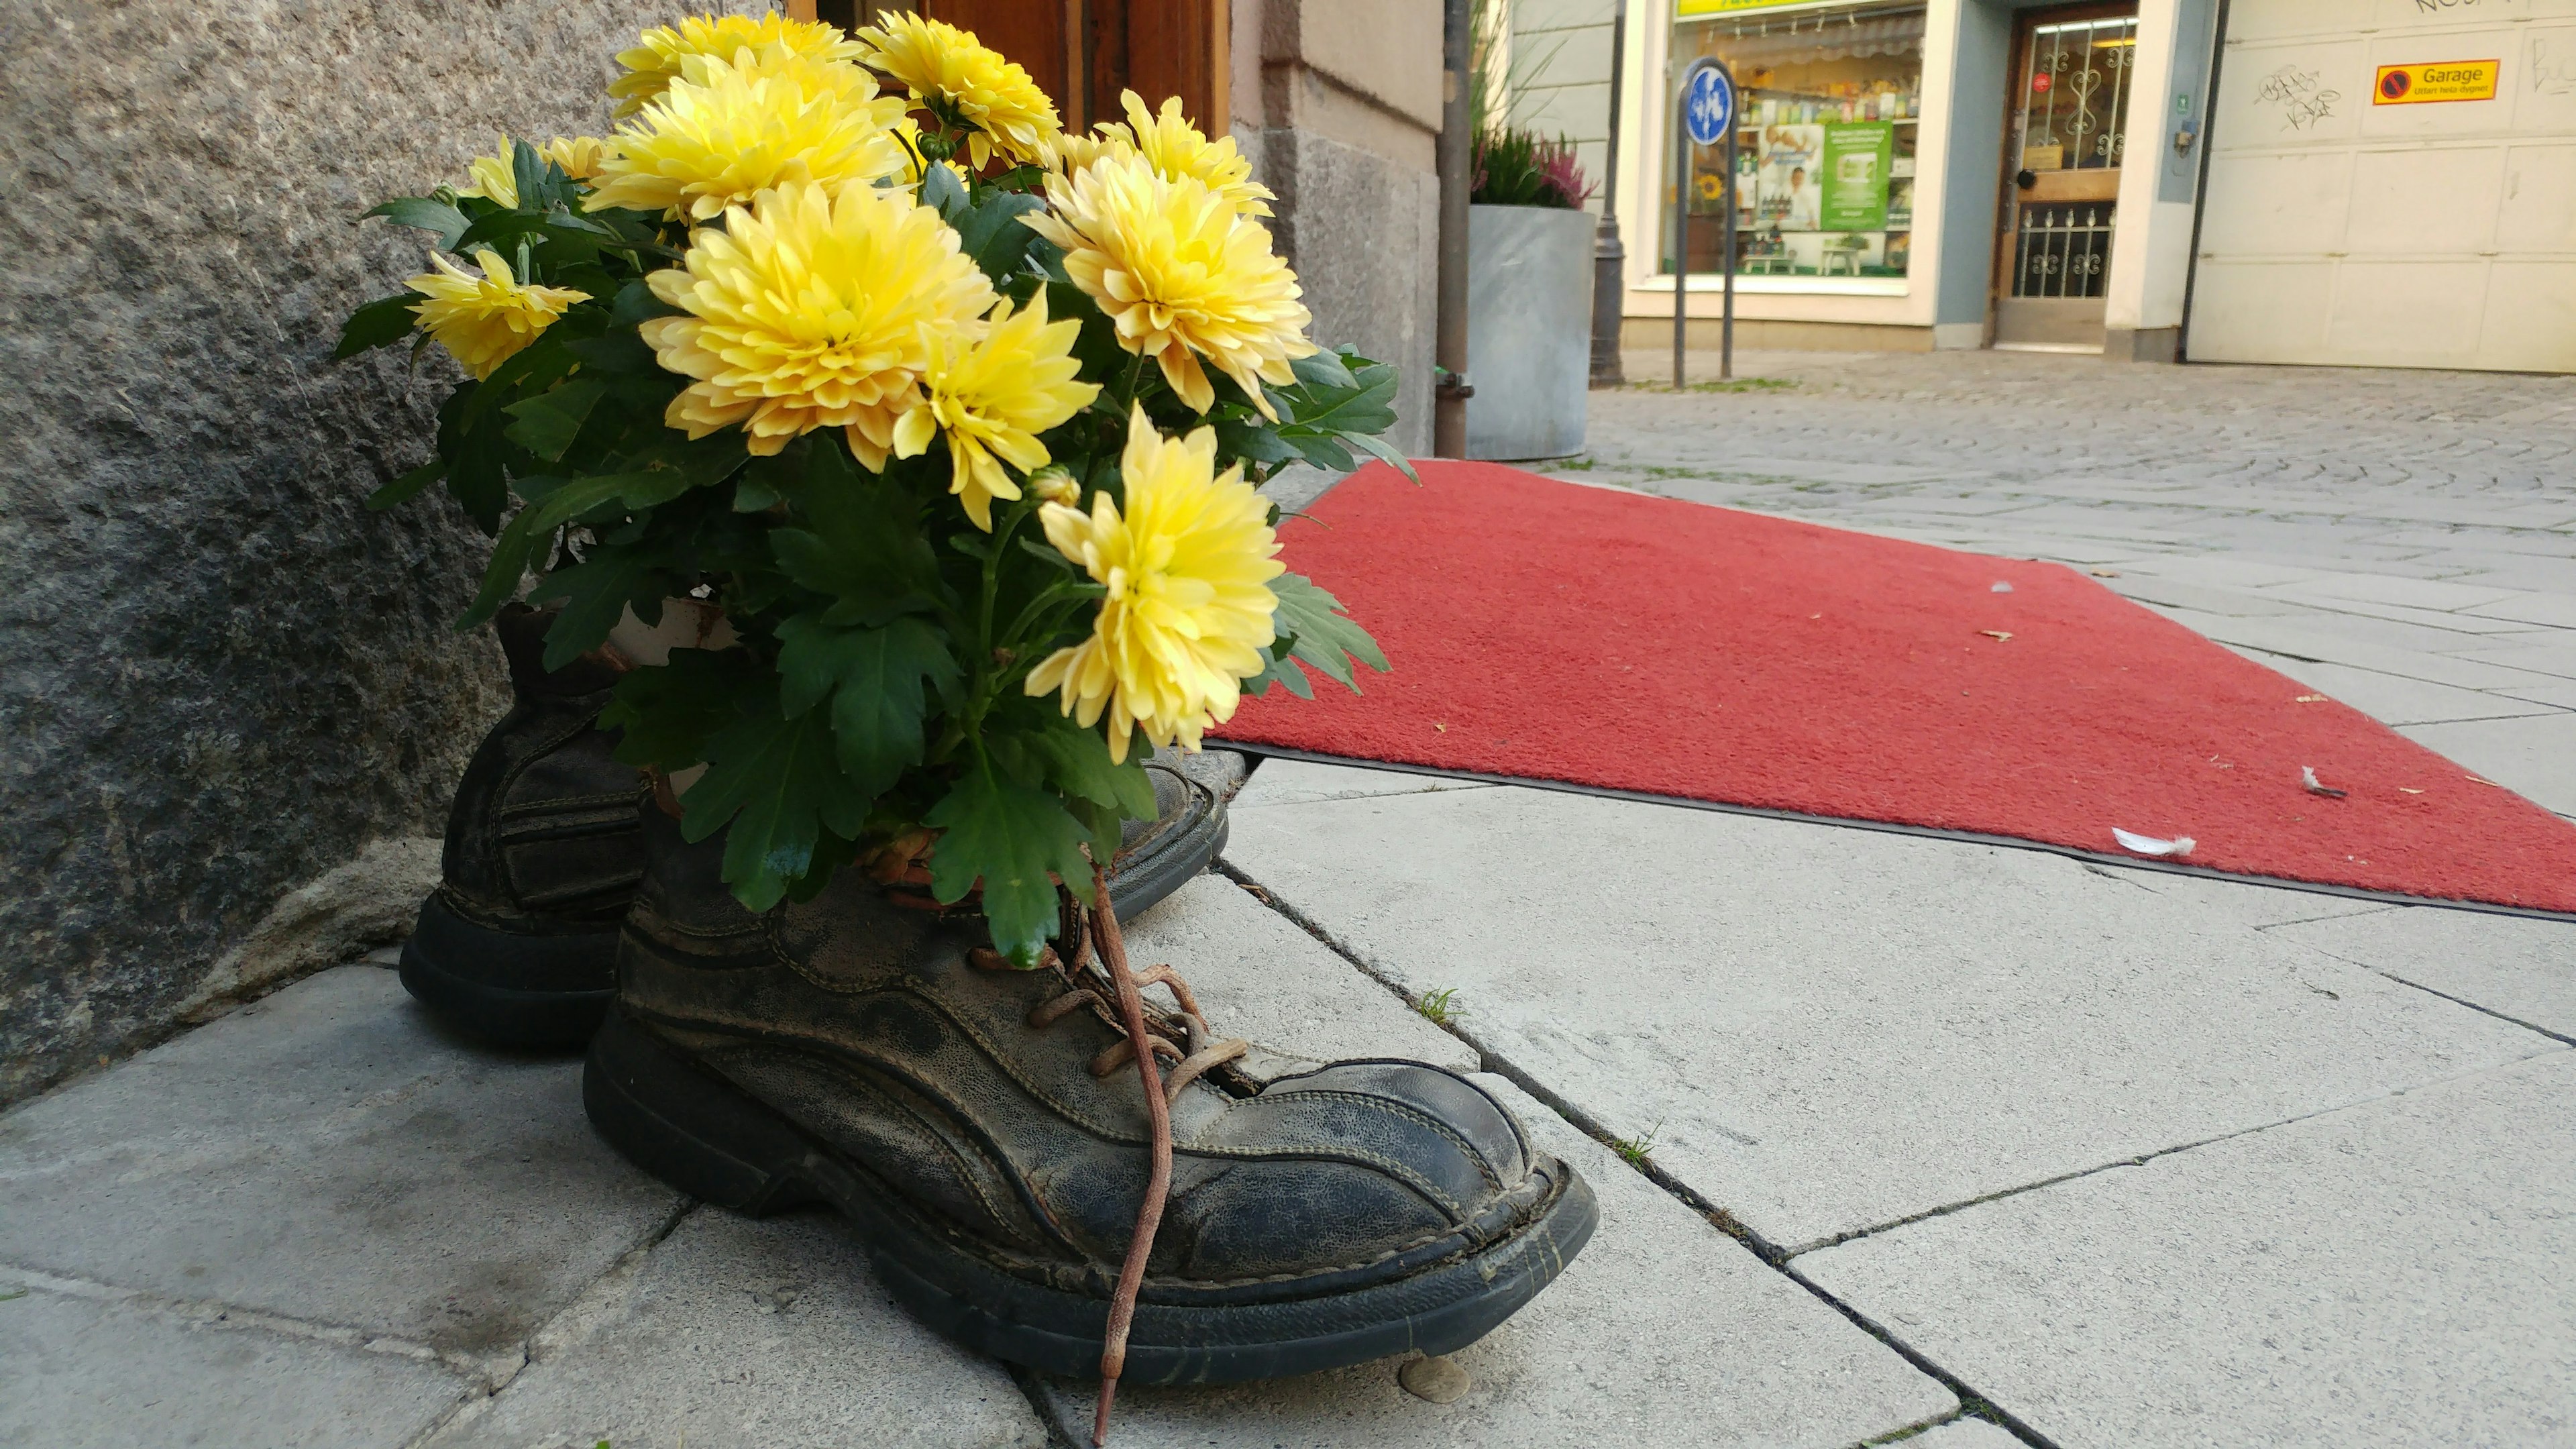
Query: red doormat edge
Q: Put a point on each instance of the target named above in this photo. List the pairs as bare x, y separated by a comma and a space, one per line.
1890, 827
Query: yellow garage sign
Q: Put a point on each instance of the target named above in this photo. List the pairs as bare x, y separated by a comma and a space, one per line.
2436, 80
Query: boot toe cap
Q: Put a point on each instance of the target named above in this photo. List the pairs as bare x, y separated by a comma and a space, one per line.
1357, 1164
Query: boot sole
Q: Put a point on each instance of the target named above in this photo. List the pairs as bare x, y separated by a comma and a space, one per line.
1142, 881
454, 967
706, 1137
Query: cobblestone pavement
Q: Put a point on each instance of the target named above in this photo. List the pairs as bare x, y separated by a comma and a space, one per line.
2405, 541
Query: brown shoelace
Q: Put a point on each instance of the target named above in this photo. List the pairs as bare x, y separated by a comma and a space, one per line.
1126, 1010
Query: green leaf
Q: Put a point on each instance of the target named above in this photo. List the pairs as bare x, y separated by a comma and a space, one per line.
1280, 670
536, 523
597, 593
1010, 837
1378, 445
1367, 405
635, 303
426, 214
403, 488
666, 713
943, 192
620, 351
773, 787
1325, 370
1326, 636
547, 423
380, 323
862, 544
875, 679
1077, 761
993, 234
528, 175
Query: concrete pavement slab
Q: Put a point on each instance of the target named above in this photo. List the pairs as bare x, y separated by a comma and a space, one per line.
2254, 905
2535, 757
326, 1154
1663, 1332
2558, 611
1829, 1028
2556, 693
2461, 670
2179, 594
742, 1334
2538, 658
2397, 1273
2474, 625
1264, 980
1297, 782
2394, 699
2517, 966
2348, 638
2418, 594
90, 1373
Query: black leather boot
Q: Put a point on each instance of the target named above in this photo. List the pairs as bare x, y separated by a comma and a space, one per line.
987, 1132
518, 945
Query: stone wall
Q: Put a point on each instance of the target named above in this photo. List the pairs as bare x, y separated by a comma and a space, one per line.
1338, 104
221, 679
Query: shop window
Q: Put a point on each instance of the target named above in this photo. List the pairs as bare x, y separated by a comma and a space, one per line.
1830, 101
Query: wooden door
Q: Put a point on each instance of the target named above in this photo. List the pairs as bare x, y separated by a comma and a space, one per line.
1085, 52
2066, 124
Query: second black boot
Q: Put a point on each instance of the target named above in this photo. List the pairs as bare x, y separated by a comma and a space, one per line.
518, 945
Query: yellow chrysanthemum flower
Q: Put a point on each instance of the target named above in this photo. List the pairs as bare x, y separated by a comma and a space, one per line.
485, 320
1174, 148
496, 177
1055, 485
581, 157
728, 130
814, 310
1188, 568
653, 65
992, 398
957, 78
1181, 273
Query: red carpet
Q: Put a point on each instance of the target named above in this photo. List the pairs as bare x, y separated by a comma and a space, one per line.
1553, 632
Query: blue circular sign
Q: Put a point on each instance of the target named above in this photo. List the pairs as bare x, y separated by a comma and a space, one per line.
1708, 103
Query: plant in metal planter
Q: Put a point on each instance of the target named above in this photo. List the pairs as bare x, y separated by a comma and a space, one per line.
1518, 167
955, 418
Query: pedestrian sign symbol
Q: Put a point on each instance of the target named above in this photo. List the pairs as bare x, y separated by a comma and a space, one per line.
1708, 103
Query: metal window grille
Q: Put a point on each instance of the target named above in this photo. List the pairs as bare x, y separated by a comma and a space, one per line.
2075, 90
2063, 250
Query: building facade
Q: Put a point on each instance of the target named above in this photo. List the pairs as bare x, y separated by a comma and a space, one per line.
2353, 182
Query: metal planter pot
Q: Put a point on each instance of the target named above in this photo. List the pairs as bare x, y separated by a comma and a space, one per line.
1529, 330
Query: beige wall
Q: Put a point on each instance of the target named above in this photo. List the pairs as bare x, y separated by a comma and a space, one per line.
1338, 102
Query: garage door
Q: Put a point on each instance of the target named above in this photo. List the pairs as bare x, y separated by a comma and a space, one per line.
2392, 183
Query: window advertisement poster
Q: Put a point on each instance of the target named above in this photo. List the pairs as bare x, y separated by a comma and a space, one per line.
1792, 181
1855, 174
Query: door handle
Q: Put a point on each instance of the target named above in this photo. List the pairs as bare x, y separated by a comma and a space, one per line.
2025, 178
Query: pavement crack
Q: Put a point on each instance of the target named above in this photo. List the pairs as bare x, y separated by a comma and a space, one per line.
1644, 1166
234, 1317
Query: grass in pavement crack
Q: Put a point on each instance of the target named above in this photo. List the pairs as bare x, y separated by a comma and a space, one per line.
1441, 1007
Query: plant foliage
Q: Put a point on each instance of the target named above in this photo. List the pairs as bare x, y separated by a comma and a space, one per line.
872, 687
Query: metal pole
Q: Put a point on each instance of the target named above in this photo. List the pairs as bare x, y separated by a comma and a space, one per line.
1450, 389
1681, 218
1609, 258
1726, 328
